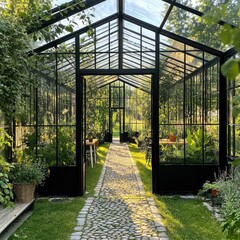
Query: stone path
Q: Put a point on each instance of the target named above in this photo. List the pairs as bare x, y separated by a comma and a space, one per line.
119, 208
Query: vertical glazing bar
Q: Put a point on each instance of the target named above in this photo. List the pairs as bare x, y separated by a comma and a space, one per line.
110, 107
191, 99
211, 78
57, 106
184, 103
109, 47
80, 167
120, 32
230, 129
203, 107
155, 120
124, 107
141, 48
233, 130
223, 162
95, 48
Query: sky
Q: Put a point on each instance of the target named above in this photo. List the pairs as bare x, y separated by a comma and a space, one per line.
149, 11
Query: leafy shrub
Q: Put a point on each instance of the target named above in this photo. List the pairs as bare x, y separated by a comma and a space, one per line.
228, 185
6, 194
27, 169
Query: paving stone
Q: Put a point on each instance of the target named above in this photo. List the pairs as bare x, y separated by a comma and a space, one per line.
75, 237
78, 228
119, 208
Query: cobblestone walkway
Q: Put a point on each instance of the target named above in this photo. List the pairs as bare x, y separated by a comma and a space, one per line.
119, 208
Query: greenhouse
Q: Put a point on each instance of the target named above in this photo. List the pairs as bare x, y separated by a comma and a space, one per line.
120, 109
146, 74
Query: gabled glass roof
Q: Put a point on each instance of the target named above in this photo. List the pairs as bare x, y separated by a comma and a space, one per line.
180, 17
127, 39
152, 12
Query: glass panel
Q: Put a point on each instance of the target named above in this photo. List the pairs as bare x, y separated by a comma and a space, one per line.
170, 44
98, 12
148, 11
231, 15
26, 138
194, 144
211, 144
47, 102
59, 2
171, 144
188, 25
66, 146
104, 9
47, 147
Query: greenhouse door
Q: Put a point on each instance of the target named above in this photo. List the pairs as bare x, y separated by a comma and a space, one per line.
117, 105
116, 122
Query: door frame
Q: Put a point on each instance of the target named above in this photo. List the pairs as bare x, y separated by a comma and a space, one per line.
80, 104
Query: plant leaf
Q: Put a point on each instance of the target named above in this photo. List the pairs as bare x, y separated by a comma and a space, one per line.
230, 69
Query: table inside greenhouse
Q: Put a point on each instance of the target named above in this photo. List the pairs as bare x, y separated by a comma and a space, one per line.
93, 152
165, 141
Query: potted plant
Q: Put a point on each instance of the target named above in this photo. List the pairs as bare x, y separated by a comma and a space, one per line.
172, 137
27, 172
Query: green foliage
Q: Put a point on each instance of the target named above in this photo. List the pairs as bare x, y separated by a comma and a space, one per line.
14, 65
96, 111
184, 219
231, 68
228, 184
6, 194
66, 147
232, 225
205, 191
28, 169
195, 141
17, 18
229, 37
56, 220
31, 14
48, 142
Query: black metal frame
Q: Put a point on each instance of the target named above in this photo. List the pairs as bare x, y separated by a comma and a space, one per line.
151, 52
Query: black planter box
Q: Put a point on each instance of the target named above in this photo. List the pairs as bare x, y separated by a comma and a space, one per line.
62, 181
108, 137
174, 178
124, 137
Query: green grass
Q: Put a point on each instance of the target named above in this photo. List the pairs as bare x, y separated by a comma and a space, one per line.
56, 220
116, 130
184, 219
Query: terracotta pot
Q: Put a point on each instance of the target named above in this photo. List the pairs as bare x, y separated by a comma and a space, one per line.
214, 192
172, 138
24, 192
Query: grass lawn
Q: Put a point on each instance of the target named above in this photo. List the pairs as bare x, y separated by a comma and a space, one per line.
116, 130
184, 219
56, 220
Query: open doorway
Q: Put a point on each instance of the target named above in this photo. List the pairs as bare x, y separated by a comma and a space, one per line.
117, 122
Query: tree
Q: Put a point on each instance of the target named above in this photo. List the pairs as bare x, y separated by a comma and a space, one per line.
16, 17
192, 26
14, 74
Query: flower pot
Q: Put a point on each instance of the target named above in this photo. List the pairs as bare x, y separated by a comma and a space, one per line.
214, 192
172, 138
24, 192
90, 139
